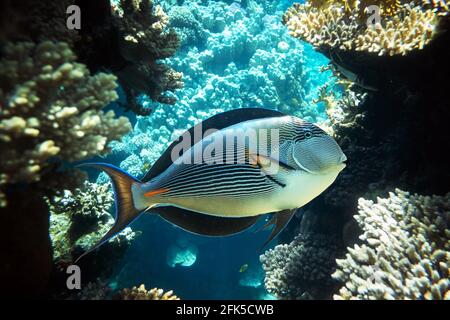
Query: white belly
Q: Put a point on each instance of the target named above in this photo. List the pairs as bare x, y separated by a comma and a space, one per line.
301, 188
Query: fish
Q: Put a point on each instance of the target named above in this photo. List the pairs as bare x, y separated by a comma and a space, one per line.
243, 268
215, 180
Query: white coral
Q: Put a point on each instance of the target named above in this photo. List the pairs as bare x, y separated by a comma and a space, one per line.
405, 254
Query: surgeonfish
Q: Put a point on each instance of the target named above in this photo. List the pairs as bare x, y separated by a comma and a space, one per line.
213, 180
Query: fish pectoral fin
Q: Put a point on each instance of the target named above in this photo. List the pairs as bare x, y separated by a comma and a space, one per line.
270, 167
267, 164
282, 219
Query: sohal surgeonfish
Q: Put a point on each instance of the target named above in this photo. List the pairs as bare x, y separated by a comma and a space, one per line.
221, 175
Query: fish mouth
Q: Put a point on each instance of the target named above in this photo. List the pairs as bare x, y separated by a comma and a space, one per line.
341, 165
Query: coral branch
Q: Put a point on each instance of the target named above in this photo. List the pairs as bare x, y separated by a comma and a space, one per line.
50, 108
342, 25
405, 251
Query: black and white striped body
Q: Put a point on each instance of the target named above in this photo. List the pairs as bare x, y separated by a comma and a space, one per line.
238, 188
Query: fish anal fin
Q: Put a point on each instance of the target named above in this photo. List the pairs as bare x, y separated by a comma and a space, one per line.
203, 224
268, 224
282, 219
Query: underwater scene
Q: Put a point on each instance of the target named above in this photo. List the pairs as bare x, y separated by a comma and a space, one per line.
225, 150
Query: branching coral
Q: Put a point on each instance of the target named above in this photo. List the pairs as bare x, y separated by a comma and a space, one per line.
80, 218
50, 108
188, 26
341, 25
144, 38
100, 290
441, 6
405, 251
340, 107
141, 293
301, 269
129, 39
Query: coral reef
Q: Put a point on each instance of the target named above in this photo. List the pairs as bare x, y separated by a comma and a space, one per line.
143, 40
335, 24
182, 253
377, 118
378, 121
128, 38
51, 98
143, 294
97, 290
51, 109
243, 58
405, 250
79, 218
253, 277
188, 25
100, 290
302, 268
50, 114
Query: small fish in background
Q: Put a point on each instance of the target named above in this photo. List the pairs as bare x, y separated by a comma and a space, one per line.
147, 166
215, 198
243, 268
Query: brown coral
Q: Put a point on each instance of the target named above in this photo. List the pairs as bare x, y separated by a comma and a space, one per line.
50, 108
341, 25
79, 218
130, 40
100, 290
144, 38
141, 293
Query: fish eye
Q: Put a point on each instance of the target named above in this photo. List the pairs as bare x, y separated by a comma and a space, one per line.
308, 134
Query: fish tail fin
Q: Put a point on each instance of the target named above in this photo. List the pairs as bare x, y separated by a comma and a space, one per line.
126, 211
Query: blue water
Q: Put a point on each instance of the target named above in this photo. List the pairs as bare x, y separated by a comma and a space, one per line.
251, 62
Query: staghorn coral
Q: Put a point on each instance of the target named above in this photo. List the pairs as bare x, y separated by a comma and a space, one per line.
80, 218
101, 290
441, 6
338, 25
144, 38
50, 109
405, 250
301, 269
140, 293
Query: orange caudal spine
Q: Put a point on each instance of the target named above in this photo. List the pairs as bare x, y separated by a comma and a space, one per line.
155, 192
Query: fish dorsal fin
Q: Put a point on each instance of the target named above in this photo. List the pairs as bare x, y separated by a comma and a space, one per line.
219, 121
204, 224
